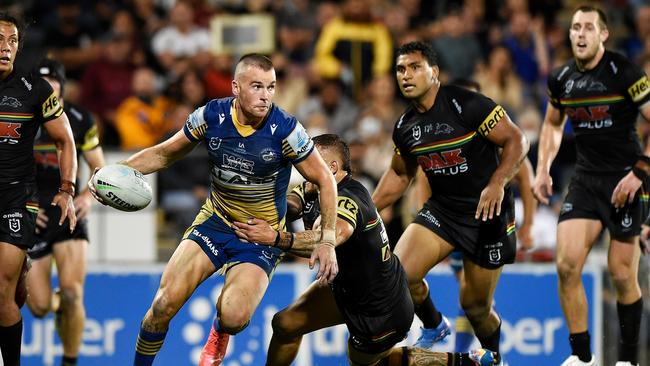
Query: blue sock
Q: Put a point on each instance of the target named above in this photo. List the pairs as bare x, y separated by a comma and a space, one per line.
147, 347
464, 333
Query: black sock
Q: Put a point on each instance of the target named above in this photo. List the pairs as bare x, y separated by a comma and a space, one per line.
581, 345
629, 319
428, 314
10, 343
491, 341
69, 361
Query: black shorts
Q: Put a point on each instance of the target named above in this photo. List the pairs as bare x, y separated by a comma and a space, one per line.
590, 196
490, 244
18, 209
376, 334
53, 234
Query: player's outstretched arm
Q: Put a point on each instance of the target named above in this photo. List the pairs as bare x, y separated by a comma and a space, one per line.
550, 139
394, 182
301, 244
515, 146
627, 187
162, 155
59, 130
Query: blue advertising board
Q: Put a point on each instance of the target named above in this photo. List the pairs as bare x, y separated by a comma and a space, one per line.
533, 328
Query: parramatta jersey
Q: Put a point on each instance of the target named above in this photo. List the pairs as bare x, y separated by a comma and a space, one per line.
370, 276
48, 174
603, 105
250, 169
449, 143
26, 102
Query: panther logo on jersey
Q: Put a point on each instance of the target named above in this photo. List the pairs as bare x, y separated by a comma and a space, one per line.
10, 101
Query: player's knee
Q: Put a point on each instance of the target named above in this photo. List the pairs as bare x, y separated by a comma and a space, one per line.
567, 270
233, 325
419, 291
622, 277
39, 309
70, 296
163, 308
476, 309
283, 325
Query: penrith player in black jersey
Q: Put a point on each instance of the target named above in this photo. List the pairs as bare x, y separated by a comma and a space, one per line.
454, 135
601, 92
26, 103
55, 244
369, 294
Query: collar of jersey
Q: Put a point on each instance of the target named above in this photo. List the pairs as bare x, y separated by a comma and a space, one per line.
243, 130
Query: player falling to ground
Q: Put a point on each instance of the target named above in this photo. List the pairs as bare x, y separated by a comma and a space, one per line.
27, 103
252, 145
471, 207
602, 93
56, 243
370, 294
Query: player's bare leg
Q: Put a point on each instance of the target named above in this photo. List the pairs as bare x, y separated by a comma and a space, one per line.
11, 261
575, 238
419, 249
314, 309
242, 292
476, 297
70, 257
187, 268
39, 284
623, 264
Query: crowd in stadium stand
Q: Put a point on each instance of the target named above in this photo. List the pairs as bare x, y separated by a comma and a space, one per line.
142, 65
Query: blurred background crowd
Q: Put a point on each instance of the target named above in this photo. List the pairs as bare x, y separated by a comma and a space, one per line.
141, 66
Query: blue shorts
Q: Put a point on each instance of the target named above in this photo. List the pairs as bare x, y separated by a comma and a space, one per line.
224, 248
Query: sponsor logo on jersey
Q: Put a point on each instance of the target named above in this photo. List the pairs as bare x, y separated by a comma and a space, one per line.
10, 130
566, 207
614, 68
427, 215
222, 117
273, 128
214, 143
230, 177
568, 87
443, 129
299, 140
10, 101
51, 106
448, 162
417, 133
268, 155
640, 89
594, 117
27, 84
491, 121
564, 70
347, 208
457, 105
238, 163
206, 240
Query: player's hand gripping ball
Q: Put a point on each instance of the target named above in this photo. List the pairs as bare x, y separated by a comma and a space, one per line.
122, 187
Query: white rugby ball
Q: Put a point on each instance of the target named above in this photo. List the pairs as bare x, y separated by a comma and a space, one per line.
122, 187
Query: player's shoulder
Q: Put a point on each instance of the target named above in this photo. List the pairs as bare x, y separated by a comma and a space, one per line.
218, 106
617, 62
404, 118
77, 113
563, 71
281, 122
354, 190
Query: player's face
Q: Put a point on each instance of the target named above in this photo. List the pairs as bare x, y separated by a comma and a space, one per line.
586, 35
255, 88
8, 46
415, 76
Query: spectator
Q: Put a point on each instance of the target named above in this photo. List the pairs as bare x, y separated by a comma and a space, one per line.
182, 43
292, 86
107, 82
142, 119
499, 81
354, 47
330, 102
527, 44
218, 77
458, 50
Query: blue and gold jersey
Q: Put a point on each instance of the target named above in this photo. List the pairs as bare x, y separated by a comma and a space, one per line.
250, 168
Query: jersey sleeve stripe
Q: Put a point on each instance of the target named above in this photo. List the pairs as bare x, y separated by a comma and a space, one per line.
640, 89
491, 121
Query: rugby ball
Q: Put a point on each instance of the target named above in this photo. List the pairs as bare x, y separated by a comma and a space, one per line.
122, 187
